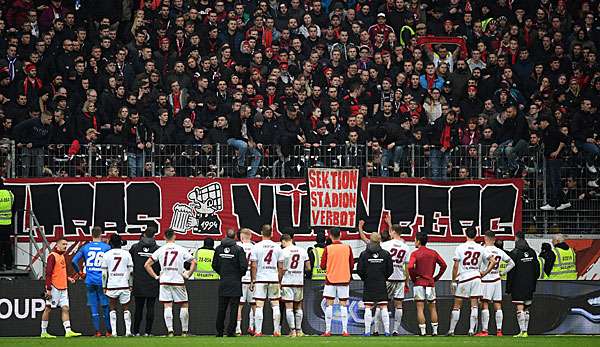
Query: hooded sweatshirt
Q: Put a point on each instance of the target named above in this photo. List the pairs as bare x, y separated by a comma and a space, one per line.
143, 284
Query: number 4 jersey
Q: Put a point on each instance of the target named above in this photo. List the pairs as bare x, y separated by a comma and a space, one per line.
266, 254
293, 258
119, 267
470, 256
171, 258
400, 253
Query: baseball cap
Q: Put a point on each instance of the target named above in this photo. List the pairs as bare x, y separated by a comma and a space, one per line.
381, 14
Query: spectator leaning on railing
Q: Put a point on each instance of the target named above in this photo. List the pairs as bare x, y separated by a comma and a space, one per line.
260, 77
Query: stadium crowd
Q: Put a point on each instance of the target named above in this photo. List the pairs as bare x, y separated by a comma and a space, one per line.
376, 81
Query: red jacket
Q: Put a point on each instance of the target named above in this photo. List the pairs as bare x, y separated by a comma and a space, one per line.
421, 266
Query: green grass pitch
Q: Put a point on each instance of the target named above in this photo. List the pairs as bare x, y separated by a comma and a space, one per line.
308, 341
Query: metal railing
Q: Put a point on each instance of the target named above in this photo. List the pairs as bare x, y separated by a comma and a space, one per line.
37, 246
275, 161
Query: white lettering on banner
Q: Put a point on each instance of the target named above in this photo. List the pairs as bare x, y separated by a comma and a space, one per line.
21, 308
333, 197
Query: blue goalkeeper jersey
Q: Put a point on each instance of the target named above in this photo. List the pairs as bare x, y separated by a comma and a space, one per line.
92, 254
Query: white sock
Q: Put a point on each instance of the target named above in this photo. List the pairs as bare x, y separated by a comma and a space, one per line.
499, 318
376, 320
258, 319
434, 327
238, 326
251, 319
485, 319
276, 319
168, 315
397, 320
184, 316
526, 323
299, 317
113, 323
127, 318
291, 320
521, 320
474, 317
368, 320
344, 314
44, 326
453, 320
423, 329
385, 319
67, 325
328, 318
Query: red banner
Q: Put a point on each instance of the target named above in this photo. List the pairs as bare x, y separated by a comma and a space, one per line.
200, 207
333, 197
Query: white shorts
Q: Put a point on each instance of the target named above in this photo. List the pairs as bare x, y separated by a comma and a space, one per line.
424, 293
124, 295
395, 290
469, 289
176, 294
59, 298
247, 295
492, 291
292, 294
264, 291
332, 291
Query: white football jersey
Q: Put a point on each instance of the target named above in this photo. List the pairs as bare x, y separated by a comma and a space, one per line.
171, 258
119, 266
400, 253
293, 258
248, 249
266, 254
470, 256
499, 255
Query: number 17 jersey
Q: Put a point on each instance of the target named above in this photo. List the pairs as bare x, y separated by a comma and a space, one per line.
171, 258
266, 254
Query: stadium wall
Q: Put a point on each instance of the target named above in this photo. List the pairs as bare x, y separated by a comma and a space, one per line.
199, 207
560, 307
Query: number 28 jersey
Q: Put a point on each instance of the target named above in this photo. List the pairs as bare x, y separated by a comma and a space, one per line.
470, 256
266, 254
293, 258
171, 258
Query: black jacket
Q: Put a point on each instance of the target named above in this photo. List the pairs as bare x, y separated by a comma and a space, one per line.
230, 263
374, 267
522, 279
143, 284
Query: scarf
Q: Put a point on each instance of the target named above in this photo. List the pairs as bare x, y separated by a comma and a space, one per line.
92, 117
35, 83
445, 140
430, 81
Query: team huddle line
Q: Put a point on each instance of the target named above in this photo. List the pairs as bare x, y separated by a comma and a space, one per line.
252, 274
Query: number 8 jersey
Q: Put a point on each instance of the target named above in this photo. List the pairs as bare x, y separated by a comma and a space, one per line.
470, 256
171, 258
266, 254
293, 258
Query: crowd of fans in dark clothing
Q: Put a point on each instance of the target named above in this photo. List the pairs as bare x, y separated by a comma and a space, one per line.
368, 83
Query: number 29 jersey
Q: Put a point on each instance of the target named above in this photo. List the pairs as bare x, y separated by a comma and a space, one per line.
400, 253
171, 258
470, 256
266, 254
293, 258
